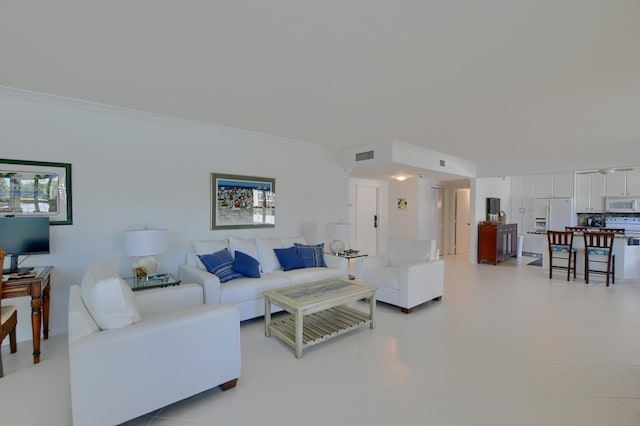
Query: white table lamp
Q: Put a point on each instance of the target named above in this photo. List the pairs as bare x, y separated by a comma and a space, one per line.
144, 245
338, 233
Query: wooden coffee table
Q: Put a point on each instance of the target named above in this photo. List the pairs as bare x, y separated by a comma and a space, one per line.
317, 311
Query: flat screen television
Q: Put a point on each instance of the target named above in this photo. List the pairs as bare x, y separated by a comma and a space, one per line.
493, 208
21, 236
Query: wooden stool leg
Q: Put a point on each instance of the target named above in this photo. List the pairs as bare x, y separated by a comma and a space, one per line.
613, 271
12, 341
586, 267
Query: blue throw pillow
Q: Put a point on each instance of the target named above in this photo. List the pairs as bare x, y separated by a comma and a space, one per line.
312, 256
220, 264
246, 265
289, 258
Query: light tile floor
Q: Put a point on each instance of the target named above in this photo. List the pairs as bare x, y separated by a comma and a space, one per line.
505, 346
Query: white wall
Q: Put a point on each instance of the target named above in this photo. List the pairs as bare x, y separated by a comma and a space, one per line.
404, 223
131, 170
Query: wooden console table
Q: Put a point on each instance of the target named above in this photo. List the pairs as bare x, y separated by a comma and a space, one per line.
497, 242
38, 288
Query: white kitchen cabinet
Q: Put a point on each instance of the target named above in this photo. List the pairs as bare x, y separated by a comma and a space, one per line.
596, 193
543, 186
633, 182
617, 184
522, 202
583, 191
556, 185
623, 183
589, 192
522, 197
563, 184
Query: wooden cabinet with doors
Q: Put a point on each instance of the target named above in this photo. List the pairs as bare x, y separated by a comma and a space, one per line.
497, 242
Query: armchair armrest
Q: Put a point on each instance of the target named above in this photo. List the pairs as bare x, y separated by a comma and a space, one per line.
209, 282
339, 263
421, 280
364, 263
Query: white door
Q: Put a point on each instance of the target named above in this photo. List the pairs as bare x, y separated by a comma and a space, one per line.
367, 219
463, 220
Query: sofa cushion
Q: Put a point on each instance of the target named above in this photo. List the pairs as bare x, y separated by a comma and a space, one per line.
299, 276
220, 264
312, 256
267, 257
244, 289
245, 245
107, 297
386, 276
246, 265
289, 258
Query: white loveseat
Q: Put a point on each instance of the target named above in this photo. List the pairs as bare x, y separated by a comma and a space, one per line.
408, 275
247, 293
137, 352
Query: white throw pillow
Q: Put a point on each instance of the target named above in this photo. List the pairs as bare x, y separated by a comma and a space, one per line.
210, 246
268, 259
107, 297
247, 246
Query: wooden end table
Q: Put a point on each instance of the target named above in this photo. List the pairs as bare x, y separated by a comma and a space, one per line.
38, 287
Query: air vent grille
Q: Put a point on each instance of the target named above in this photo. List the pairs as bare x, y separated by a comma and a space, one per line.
442, 164
361, 156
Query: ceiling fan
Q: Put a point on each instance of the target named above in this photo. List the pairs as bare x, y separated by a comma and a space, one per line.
606, 171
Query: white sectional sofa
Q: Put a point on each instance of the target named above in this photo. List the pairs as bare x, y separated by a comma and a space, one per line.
247, 293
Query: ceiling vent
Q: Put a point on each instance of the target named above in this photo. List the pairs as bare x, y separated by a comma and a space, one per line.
361, 156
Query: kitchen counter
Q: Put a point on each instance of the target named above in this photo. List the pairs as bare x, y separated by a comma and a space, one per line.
627, 257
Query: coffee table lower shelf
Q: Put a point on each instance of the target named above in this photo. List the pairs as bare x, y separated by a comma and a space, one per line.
319, 326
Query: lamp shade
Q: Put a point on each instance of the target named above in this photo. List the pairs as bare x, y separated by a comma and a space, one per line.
338, 231
145, 242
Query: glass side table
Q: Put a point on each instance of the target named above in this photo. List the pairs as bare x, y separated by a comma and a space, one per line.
160, 280
349, 256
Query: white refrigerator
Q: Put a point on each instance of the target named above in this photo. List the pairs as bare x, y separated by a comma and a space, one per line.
558, 212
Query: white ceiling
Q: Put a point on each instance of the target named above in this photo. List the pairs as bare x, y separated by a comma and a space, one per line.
517, 86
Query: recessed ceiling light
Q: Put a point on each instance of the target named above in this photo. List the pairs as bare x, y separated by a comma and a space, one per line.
400, 178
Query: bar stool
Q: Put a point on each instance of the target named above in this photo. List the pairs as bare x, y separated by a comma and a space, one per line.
598, 248
561, 242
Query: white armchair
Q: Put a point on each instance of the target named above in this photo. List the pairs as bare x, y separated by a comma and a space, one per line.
408, 275
132, 353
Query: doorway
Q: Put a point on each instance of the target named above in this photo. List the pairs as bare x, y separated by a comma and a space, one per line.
367, 218
463, 221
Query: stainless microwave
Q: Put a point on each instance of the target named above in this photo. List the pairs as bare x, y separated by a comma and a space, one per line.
622, 204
